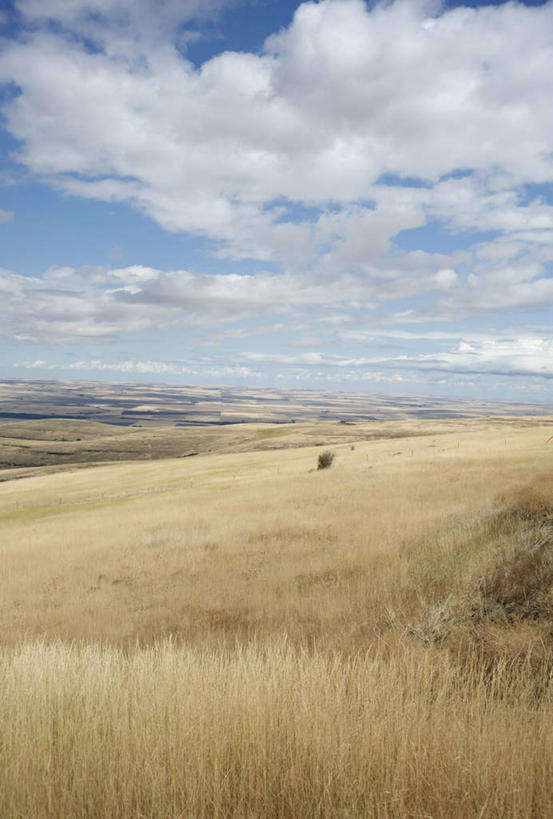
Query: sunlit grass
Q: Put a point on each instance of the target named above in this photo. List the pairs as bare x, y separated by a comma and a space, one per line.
246, 636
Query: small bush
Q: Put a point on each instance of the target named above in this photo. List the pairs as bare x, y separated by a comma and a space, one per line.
325, 459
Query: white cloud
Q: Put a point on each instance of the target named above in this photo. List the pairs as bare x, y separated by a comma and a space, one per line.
149, 367
122, 26
342, 96
478, 353
71, 305
5, 215
446, 279
525, 356
474, 353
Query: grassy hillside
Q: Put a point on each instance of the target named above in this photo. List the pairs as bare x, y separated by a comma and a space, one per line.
241, 635
26, 446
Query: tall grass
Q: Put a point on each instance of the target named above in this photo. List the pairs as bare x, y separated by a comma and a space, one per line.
267, 732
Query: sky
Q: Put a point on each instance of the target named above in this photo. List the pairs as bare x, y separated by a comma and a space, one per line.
337, 195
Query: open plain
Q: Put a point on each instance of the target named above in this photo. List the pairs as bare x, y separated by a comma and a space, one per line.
240, 634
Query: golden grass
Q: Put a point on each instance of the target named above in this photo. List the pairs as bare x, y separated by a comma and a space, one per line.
245, 636
266, 732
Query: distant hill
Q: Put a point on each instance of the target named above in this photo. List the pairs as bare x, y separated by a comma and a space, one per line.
169, 405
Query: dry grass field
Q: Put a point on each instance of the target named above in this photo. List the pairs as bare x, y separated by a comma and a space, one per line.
242, 635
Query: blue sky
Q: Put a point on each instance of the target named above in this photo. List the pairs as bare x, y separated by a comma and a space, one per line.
334, 194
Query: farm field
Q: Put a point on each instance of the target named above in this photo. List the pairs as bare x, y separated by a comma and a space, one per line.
240, 634
139, 405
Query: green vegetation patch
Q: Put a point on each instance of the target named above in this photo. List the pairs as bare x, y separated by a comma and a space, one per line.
32, 513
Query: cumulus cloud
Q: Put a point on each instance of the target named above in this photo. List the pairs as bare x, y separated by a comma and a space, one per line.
340, 100
122, 26
482, 354
496, 356
71, 305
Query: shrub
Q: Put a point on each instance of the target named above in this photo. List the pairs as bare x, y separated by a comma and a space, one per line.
325, 459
